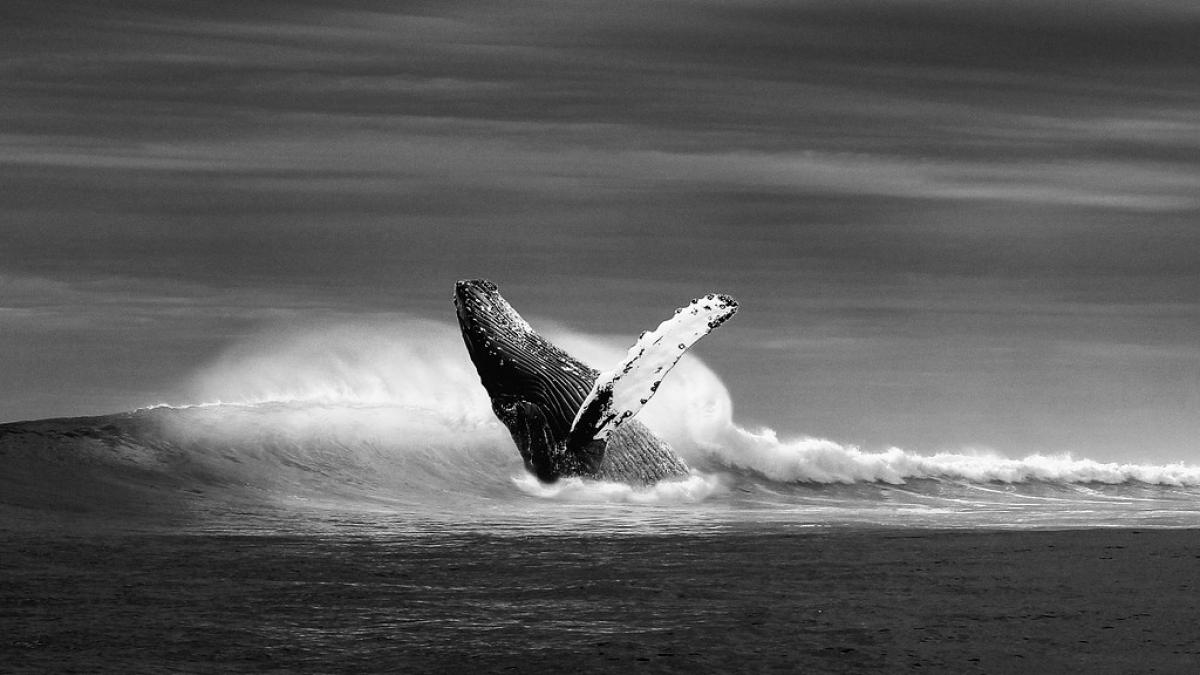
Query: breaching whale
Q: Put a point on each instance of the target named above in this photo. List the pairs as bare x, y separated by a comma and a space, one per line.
565, 418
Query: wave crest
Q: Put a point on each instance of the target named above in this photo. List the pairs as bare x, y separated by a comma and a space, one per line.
419, 371
814, 460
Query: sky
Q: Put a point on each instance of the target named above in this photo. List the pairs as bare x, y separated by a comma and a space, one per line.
950, 225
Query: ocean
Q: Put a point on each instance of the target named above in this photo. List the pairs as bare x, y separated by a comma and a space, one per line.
279, 467
359, 509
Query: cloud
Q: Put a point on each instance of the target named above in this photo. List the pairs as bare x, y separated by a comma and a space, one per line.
869, 170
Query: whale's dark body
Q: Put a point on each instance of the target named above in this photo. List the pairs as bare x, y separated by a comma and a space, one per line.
537, 389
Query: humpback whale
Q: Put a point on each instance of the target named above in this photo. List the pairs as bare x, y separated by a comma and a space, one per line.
565, 418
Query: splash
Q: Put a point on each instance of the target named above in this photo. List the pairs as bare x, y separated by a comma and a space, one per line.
409, 378
403, 362
695, 488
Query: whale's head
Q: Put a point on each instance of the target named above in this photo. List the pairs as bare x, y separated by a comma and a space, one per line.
535, 387
502, 345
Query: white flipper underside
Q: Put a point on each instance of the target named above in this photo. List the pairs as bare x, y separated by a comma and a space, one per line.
620, 393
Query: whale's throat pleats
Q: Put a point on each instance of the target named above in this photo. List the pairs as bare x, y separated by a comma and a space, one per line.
516, 364
549, 379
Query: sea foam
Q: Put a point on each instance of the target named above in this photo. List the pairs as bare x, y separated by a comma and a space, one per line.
411, 377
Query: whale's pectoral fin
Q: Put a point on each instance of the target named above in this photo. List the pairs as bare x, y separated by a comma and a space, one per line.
620, 393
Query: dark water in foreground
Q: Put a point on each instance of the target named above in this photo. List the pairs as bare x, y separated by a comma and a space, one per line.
737, 600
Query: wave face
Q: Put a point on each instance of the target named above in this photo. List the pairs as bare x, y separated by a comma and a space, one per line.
385, 425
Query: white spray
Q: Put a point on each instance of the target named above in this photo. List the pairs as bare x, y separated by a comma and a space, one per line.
418, 371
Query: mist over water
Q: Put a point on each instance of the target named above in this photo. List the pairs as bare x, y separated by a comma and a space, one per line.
418, 368
383, 424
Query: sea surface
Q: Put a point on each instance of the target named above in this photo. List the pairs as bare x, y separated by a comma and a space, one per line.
317, 468
323, 518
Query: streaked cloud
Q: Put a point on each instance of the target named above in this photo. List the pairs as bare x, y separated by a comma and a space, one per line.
968, 183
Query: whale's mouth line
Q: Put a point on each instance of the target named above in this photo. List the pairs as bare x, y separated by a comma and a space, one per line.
514, 362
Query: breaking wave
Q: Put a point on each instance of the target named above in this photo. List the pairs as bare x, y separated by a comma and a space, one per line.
388, 416
419, 367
